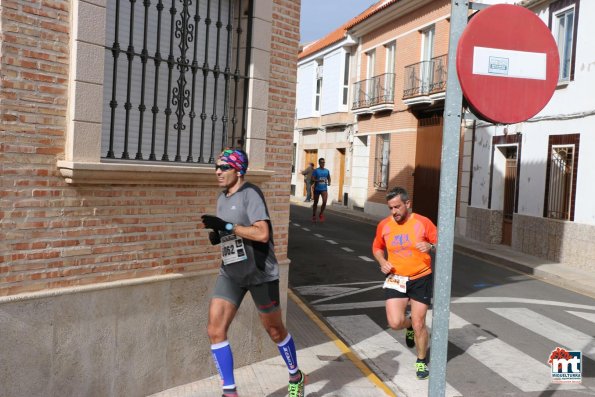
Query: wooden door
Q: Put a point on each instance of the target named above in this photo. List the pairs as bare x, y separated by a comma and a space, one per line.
509, 195
426, 178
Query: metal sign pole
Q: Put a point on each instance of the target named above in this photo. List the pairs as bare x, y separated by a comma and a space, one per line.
447, 205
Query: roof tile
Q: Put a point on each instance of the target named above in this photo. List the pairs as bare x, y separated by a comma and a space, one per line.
341, 32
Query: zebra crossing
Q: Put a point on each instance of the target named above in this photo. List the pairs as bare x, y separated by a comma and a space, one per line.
384, 350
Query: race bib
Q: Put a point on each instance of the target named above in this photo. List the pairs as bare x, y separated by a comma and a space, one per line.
232, 249
396, 282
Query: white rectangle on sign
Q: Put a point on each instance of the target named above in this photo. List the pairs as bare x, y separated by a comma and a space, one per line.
509, 63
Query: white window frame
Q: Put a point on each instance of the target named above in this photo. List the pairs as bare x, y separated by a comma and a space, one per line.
565, 47
428, 36
371, 66
318, 88
389, 67
346, 71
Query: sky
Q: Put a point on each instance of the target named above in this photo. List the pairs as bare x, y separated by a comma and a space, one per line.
320, 17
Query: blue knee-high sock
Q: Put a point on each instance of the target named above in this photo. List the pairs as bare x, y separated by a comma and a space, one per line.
287, 350
223, 358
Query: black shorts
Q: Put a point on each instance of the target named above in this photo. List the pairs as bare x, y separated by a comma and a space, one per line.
421, 290
265, 295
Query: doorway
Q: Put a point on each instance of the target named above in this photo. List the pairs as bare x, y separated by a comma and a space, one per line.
341, 175
510, 178
310, 156
426, 178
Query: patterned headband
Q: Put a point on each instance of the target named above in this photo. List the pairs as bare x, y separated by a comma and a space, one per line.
237, 158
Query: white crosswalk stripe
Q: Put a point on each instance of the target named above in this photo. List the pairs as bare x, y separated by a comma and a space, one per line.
563, 335
391, 359
386, 352
586, 316
510, 363
357, 291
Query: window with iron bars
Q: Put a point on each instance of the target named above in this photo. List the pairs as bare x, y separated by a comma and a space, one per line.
561, 176
176, 75
381, 161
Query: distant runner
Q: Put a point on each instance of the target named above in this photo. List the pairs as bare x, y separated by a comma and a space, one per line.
321, 177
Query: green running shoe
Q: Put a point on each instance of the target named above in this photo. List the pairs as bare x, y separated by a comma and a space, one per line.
421, 370
297, 389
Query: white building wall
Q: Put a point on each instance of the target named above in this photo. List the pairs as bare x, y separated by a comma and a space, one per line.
585, 190
533, 169
297, 178
359, 171
571, 110
481, 165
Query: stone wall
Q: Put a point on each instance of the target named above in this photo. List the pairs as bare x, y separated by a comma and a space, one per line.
484, 225
131, 338
559, 241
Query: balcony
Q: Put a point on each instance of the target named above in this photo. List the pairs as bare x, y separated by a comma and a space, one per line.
425, 82
374, 95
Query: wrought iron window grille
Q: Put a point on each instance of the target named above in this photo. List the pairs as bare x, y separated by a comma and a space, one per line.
189, 71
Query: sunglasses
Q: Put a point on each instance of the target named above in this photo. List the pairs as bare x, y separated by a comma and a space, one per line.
223, 167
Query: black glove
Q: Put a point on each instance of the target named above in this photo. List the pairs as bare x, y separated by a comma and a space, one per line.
214, 238
215, 223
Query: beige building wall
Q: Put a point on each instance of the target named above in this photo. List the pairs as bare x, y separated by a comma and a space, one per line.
104, 274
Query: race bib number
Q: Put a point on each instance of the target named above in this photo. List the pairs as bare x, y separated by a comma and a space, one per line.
322, 181
232, 249
396, 282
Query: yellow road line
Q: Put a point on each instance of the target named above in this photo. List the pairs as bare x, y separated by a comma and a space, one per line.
342, 346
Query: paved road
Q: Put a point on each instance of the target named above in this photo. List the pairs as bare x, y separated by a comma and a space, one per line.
502, 329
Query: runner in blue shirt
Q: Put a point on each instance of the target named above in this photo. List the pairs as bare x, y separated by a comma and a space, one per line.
321, 178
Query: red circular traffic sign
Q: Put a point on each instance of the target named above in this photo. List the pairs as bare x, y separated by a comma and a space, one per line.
507, 63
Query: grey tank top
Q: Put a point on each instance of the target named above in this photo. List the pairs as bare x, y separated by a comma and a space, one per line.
245, 207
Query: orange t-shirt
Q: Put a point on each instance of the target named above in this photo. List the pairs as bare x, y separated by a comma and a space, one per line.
399, 242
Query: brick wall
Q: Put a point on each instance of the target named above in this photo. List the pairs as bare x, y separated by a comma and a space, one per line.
401, 123
59, 235
282, 89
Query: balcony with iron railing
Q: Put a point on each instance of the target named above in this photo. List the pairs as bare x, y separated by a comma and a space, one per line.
374, 94
425, 82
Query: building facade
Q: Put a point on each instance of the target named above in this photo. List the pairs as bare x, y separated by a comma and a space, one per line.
530, 183
324, 125
368, 93
113, 113
399, 99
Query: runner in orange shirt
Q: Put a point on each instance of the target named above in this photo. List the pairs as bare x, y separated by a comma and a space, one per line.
407, 238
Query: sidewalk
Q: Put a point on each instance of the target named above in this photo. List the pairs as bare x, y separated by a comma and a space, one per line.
333, 369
